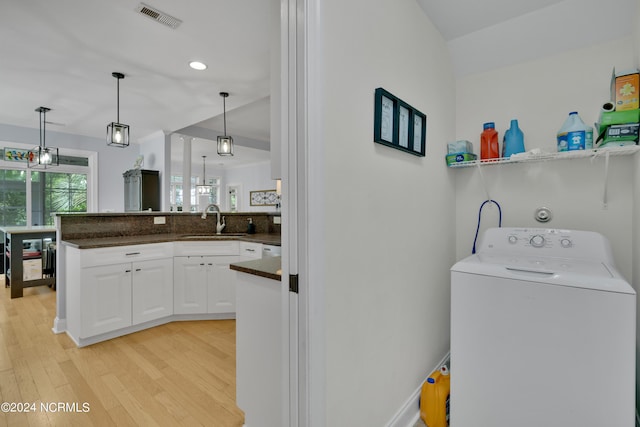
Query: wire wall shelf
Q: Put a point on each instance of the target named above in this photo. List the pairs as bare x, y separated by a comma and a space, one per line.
543, 157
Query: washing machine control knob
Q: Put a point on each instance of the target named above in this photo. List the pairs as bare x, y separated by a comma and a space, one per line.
566, 243
537, 241
513, 239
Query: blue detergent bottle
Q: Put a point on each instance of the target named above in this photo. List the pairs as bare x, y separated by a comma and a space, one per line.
513, 140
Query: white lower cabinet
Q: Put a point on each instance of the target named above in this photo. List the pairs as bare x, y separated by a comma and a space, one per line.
221, 285
204, 284
113, 291
152, 290
121, 295
189, 284
105, 299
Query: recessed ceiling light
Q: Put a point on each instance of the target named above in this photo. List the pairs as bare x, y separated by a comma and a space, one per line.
197, 65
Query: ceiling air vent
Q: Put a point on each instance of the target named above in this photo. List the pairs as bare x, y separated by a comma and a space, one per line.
158, 16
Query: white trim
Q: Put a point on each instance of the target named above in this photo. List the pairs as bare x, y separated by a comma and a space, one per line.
83, 342
59, 325
409, 414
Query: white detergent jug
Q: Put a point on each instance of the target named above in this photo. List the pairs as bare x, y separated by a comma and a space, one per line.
572, 134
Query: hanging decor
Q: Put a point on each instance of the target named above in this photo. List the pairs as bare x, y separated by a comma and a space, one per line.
42, 157
225, 143
118, 133
204, 189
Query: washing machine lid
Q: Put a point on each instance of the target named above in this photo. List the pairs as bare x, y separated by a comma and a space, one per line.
555, 271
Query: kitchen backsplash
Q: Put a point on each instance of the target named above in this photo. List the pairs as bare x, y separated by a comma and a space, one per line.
96, 225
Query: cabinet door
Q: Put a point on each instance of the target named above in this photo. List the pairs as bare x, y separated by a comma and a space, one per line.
105, 299
189, 285
221, 284
152, 289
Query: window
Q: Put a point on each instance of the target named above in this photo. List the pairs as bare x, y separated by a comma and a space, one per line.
13, 197
59, 192
177, 192
30, 196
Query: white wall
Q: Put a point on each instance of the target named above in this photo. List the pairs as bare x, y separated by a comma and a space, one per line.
112, 162
540, 94
254, 177
386, 216
541, 100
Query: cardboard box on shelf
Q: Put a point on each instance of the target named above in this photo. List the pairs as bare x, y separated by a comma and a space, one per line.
625, 90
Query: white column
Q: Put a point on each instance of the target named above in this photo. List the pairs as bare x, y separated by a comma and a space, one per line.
186, 175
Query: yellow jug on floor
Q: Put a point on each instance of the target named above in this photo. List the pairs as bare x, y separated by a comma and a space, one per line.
434, 399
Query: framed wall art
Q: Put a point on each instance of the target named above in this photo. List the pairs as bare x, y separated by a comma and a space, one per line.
398, 125
263, 198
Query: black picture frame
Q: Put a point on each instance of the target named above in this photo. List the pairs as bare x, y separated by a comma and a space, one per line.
398, 125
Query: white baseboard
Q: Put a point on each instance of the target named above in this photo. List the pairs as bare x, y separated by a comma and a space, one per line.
409, 413
59, 325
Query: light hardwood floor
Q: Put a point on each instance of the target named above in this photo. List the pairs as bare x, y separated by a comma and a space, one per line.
179, 374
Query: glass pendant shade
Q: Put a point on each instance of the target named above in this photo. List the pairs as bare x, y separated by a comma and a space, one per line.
203, 190
42, 157
225, 143
118, 133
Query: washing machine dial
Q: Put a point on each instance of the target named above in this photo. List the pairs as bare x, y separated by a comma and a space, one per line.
537, 241
566, 243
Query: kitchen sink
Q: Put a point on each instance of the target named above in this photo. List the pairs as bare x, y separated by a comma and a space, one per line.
210, 236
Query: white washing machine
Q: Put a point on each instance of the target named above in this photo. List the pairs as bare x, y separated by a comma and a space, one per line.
542, 333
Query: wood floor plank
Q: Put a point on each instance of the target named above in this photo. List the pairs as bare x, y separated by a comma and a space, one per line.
179, 374
82, 388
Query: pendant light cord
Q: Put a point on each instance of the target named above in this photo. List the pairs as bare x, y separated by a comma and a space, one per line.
117, 99
43, 127
224, 113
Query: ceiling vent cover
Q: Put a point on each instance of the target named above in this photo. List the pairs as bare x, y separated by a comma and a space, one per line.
158, 16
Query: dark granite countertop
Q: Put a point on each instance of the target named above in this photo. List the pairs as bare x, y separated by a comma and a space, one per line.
102, 242
269, 268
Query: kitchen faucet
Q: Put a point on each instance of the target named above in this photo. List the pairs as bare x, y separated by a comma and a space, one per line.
219, 225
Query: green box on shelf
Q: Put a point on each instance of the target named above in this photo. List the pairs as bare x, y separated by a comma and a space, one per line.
460, 157
609, 118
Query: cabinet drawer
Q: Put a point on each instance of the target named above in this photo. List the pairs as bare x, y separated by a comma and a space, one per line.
224, 247
120, 254
250, 250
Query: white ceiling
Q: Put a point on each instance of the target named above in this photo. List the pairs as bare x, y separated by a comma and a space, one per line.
60, 54
482, 35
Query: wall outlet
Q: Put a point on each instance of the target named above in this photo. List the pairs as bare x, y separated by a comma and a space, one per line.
159, 219
277, 220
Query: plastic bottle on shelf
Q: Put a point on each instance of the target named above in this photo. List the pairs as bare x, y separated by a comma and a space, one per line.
572, 134
513, 140
489, 142
588, 139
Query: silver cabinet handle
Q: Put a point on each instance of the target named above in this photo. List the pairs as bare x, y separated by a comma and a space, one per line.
132, 253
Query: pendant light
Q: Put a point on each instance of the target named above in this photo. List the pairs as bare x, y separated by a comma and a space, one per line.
204, 189
225, 143
118, 133
42, 156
